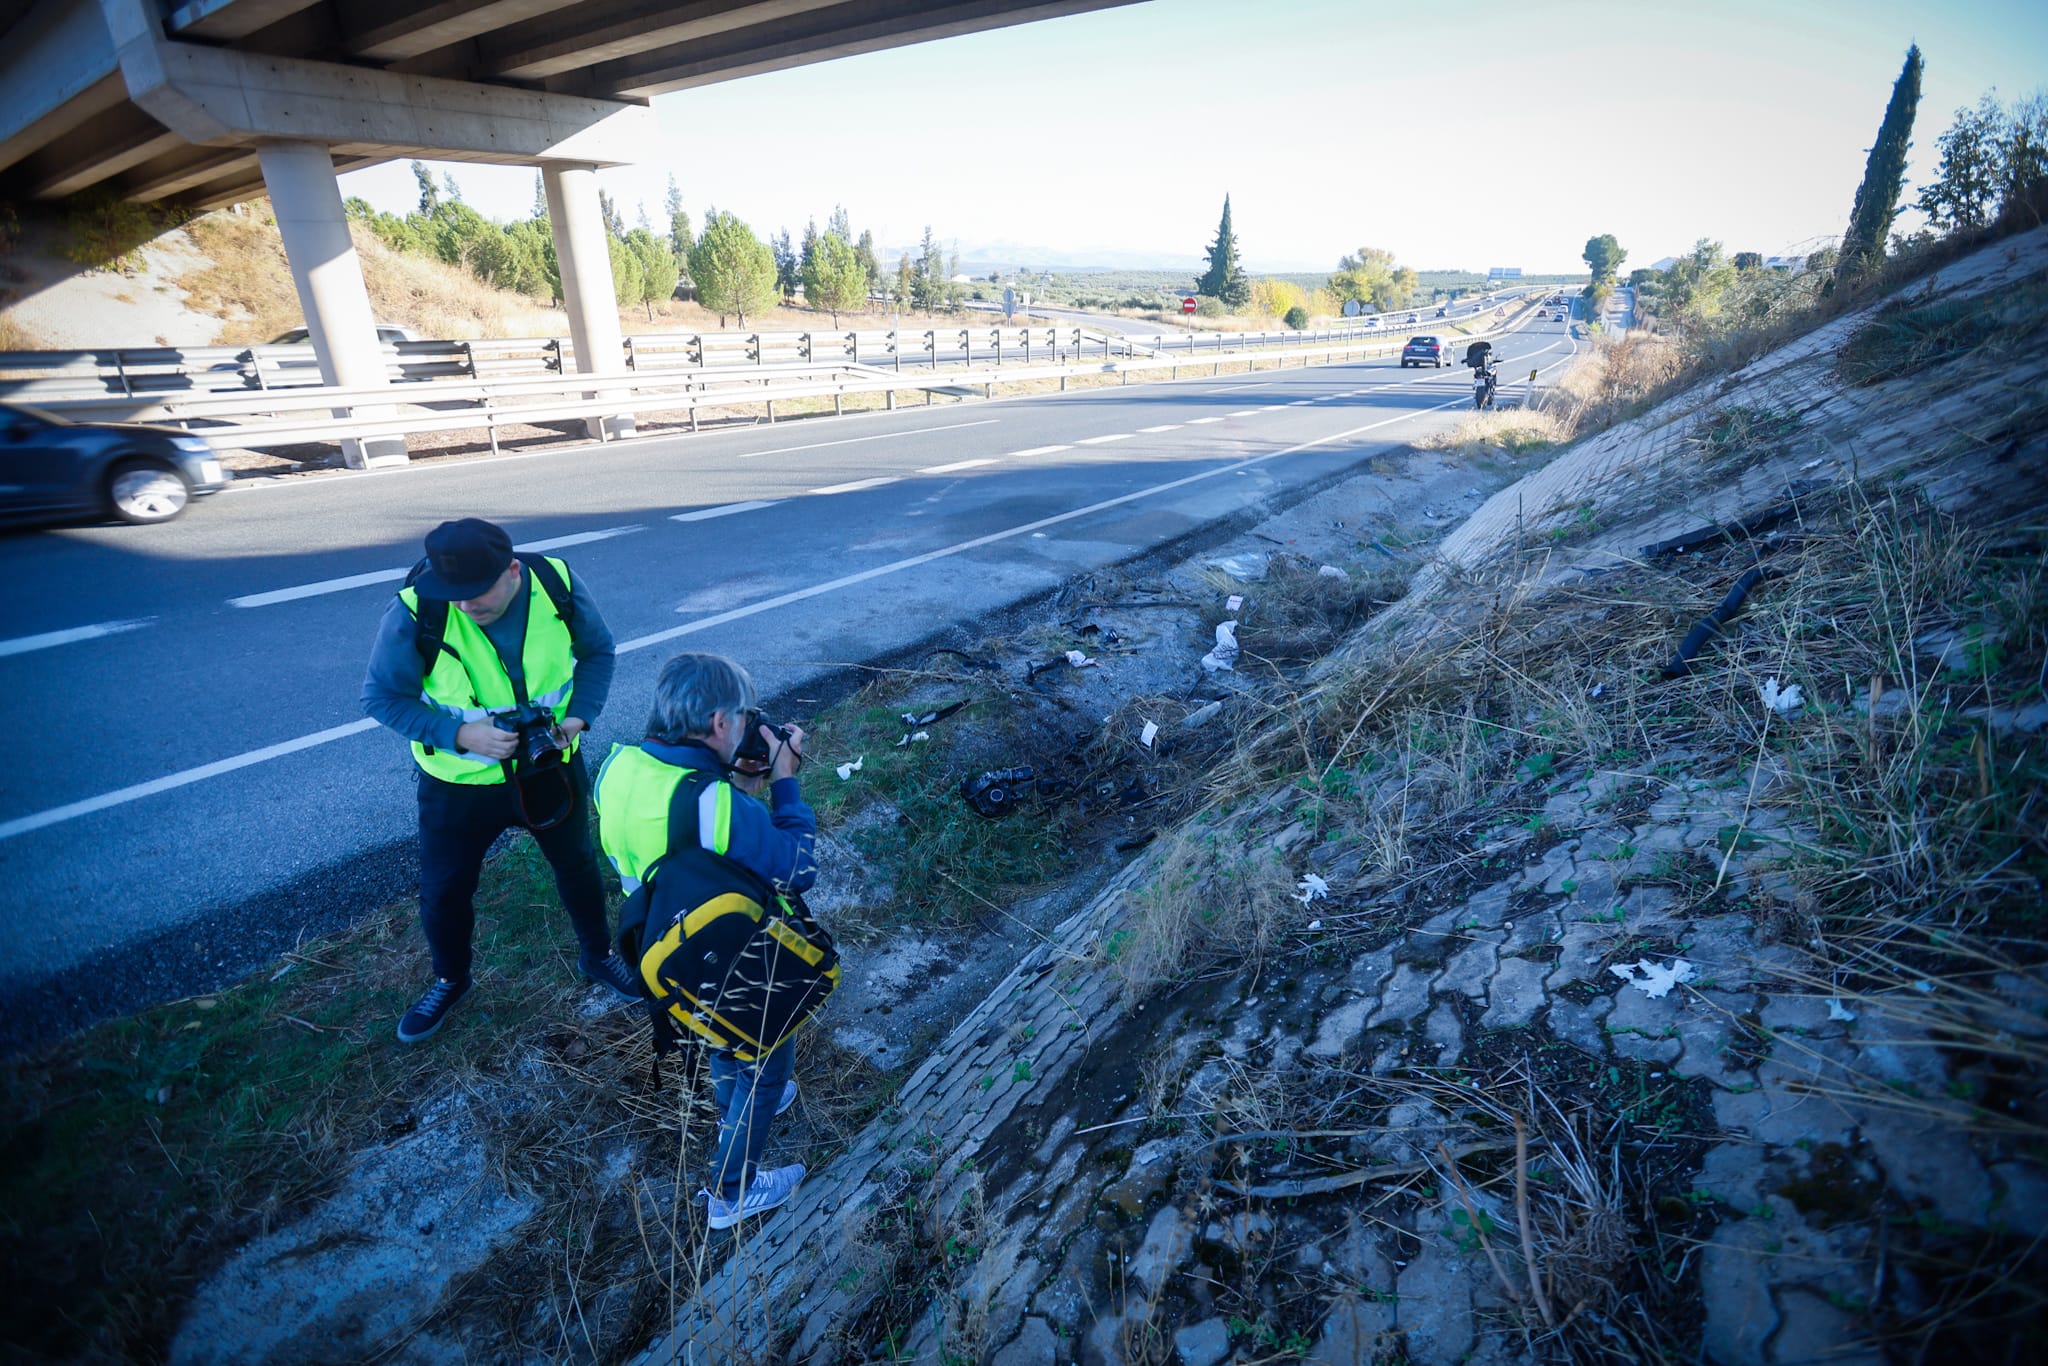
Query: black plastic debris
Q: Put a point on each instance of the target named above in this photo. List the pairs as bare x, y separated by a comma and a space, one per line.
996, 793
1710, 625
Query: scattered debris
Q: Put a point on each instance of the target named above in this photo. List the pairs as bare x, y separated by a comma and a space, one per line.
1655, 982
1149, 734
1234, 602
1781, 700
1224, 656
1079, 660
1710, 625
847, 770
995, 794
1312, 888
1331, 571
1203, 715
915, 737
1838, 1011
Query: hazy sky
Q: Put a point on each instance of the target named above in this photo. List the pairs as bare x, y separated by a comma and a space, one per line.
1458, 136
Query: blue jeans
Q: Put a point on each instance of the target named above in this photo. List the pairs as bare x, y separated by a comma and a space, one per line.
746, 1094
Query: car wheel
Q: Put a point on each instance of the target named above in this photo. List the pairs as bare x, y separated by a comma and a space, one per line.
143, 491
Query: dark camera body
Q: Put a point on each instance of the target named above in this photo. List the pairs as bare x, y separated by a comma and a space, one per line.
752, 756
540, 747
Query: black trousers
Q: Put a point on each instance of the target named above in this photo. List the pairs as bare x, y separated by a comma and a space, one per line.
458, 822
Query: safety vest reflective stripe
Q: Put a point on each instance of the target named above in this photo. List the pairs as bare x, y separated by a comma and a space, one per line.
714, 817
470, 682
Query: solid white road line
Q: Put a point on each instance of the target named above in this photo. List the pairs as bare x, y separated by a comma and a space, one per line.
1169, 427
314, 590
1041, 450
22, 825
1248, 412
1100, 440
859, 484
21, 645
1202, 421
956, 465
706, 514
856, 440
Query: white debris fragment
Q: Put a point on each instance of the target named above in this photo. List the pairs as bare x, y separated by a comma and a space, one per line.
1655, 982
1233, 602
1224, 655
915, 737
1331, 571
1315, 924
1150, 733
1924, 987
1781, 700
847, 770
1312, 888
1079, 660
1838, 1011
1598, 688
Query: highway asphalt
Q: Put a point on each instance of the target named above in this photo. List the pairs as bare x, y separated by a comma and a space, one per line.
194, 786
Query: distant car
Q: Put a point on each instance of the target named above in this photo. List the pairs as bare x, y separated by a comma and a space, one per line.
1559, 315
1414, 317
1425, 351
53, 467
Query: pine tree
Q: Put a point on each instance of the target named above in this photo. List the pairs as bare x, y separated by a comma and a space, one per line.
1877, 197
865, 249
453, 190
540, 196
430, 193
840, 222
678, 223
1224, 280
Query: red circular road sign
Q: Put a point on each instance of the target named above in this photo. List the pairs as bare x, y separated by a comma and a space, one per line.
1187, 305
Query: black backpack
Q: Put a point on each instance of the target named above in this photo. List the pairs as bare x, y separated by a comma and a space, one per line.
720, 955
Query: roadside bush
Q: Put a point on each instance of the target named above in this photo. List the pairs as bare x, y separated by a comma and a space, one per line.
1209, 306
1297, 318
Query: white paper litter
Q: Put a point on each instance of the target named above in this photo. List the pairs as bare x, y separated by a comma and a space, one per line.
1224, 655
1312, 888
847, 770
1201, 715
1780, 700
1151, 732
1655, 982
1079, 660
1331, 571
1838, 1011
913, 738
1315, 924
1233, 602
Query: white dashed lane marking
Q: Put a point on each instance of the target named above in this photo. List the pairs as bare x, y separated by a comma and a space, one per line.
706, 514
21, 645
857, 485
314, 590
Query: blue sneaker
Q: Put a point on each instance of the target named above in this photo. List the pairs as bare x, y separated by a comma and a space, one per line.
611, 971
431, 1010
772, 1187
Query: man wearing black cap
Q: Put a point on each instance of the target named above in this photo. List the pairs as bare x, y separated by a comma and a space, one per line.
473, 635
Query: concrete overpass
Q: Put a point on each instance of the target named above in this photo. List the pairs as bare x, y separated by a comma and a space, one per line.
209, 102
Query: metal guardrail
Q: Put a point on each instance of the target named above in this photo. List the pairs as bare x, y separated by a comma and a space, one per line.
283, 417
57, 378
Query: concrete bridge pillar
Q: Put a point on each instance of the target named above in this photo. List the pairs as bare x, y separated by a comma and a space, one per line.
584, 255
306, 200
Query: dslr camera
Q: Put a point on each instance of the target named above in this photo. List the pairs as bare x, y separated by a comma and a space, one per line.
752, 757
540, 744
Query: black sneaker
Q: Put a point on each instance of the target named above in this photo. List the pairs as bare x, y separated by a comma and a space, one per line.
611, 971
430, 1010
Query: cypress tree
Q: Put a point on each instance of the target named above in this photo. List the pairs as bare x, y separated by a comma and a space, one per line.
1877, 198
1224, 279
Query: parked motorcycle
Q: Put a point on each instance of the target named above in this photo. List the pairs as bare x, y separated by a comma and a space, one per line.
1485, 379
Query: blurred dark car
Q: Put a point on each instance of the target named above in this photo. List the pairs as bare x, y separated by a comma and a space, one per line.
51, 466
1424, 351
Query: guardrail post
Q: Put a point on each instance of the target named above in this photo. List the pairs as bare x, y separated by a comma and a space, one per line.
771, 412
804, 340
632, 356
121, 369
931, 344
895, 348
696, 348
853, 344
553, 353
760, 351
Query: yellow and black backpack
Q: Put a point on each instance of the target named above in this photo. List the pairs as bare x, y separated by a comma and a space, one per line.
722, 956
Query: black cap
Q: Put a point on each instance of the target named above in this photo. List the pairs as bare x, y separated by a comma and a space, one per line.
463, 560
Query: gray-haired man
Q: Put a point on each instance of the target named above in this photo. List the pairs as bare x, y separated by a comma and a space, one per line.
703, 705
